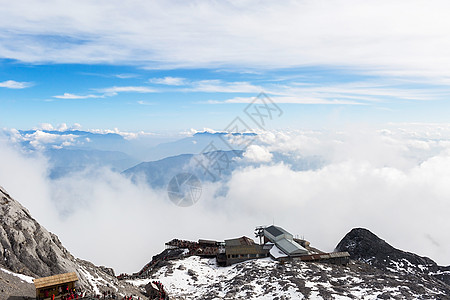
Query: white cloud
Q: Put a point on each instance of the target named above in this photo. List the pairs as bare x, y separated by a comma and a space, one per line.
11, 84
76, 126
46, 126
108, 92
39, 139
126, 76
142, 102
73, 96
255, 153
289, 100
127, 135
398, 39
112, 91
220, 86
62, 127
169, 80
59, 127
353, 93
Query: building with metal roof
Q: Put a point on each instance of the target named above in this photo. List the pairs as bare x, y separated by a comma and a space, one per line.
284, 241
291, 248
242, 249
275, 233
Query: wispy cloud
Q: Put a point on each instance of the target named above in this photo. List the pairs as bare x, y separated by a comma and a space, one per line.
11, 84
73, 96
220, 86
289, 100
112, 91
142, 102
108, 92
351, 93
169, 81
249, 34
126, 76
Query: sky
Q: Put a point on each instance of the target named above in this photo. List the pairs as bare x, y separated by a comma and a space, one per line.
362, 84
175, 65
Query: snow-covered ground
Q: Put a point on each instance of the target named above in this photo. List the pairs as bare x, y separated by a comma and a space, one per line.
199, 278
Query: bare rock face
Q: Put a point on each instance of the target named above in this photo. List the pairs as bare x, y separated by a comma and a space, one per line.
28, 248
365, 246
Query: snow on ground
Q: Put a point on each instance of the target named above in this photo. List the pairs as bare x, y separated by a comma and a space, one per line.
25, 278
195, 277
139, 282
92, 280
200, 278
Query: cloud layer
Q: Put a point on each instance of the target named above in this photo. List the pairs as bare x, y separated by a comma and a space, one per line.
393, 181
378, 36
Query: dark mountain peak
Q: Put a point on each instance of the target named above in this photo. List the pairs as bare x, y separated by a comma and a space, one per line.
361, 243
365, 246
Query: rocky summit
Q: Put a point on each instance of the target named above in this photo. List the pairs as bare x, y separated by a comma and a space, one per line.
364, 246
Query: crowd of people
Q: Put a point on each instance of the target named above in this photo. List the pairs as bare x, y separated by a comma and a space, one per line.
64, 293
113, 296
78, 293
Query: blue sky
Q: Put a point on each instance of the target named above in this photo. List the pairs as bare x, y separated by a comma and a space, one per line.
171, 66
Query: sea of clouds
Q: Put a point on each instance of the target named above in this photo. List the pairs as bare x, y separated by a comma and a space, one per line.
392, 180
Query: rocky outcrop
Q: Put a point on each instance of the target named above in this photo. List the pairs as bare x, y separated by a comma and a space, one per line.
366, 247
27, 247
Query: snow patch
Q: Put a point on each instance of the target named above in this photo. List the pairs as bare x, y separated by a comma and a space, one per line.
21, 276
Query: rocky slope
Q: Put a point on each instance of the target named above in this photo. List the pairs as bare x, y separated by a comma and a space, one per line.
28, 248
199, 278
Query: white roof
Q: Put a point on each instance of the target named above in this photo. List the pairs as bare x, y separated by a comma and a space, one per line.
290, 247
275, 252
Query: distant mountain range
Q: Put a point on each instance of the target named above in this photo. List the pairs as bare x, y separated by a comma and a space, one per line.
209, 156
64, 162
157, 174
210, 166
200, 142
